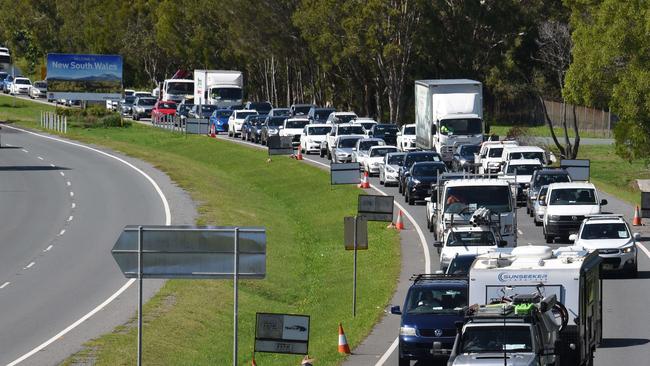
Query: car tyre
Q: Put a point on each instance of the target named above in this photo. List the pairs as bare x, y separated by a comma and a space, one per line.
634, 271
411, 200
329, 155
537, 223
399, 188
404, 362
549, 239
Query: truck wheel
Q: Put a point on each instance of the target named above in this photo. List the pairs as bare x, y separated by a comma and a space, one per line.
404, 362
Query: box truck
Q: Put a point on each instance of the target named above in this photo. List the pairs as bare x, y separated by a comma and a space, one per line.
448, 112
223, 88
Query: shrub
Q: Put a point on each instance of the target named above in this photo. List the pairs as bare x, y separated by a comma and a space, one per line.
112, 120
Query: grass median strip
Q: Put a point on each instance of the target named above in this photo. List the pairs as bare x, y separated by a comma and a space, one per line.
189, 322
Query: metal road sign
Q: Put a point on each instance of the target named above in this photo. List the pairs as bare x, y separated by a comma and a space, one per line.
191, 252
362, 233
578, 169
282, 333
376, 207
280, 145
344, 173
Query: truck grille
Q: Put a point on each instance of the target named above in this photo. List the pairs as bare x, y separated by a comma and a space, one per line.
607, 251
572, 218
449, 332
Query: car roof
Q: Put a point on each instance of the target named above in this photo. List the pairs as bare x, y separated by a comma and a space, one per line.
429, 163
319, 125
382, 147
524, 162
523, 148
344, 113
297, 118
552, 171
571, 185
427, 152
604, 219
373, 139
350, 137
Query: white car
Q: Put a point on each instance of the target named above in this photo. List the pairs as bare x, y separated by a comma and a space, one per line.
539, 206
20, 85
466, 239
567, 204
366, 122
406, 138
293, 127
336, 118
609, 235
488, 160
375, 159
339, 130
360, 152
236, 119
522, 170
38, 90
312, 136
389, 169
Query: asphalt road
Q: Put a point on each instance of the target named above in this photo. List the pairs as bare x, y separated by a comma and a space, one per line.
61, 209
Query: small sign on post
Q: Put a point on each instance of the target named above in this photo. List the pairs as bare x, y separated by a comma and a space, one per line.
282, 333
376, 207
362, 233
344, 173
280, 145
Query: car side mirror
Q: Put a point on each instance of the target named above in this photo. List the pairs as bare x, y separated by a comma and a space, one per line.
407, 173
502, 243
603, 202
395, 310
437, 244
573, 237
636, 236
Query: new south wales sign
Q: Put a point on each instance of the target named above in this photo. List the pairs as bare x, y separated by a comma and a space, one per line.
84, 77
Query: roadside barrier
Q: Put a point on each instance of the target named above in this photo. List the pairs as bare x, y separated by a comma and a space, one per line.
168, 122
53, 121
343, 342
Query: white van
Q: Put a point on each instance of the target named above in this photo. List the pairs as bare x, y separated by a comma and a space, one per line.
488, 160
567, 204
524, 152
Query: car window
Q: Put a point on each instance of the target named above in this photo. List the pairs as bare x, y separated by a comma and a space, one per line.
605, 231
382, 151
423, 300
523, 169
467, 239
495, 152
573, 196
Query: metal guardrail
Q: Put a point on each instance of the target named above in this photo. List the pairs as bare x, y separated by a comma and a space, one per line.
53, 121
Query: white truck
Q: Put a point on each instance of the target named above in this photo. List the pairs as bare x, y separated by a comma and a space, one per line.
223, 88
570, 273
177, 89
448, 112
406, 138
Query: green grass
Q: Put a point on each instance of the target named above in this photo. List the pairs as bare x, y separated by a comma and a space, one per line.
543, 131
23, 111
189, 322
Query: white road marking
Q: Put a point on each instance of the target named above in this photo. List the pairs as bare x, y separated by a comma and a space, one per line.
389, 352
62, 232
10, 145
30, 265
73, 205
23, 150
68, 183
48, 248
644, 249
70, 218
168, 221
71, 194
53, 166
4, 285
39, 158
62, 174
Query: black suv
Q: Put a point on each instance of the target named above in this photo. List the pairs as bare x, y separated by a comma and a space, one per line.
410, 159
543, 177
386, 131
319, 115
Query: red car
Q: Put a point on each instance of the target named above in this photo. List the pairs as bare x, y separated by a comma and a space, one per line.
161, 109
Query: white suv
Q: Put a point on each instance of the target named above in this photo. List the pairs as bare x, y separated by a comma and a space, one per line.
20, 86
237, 119
406, 138
609, 235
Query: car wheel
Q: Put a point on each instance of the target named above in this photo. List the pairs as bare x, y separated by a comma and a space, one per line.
538, 223
634, 271
549, 239
399, 187
404, 362
406, 197
411, 201
329, 155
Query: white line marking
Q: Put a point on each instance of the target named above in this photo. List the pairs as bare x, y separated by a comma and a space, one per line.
68, 183
168, 221
4, 285
10, 145
644, 249
62, 174
389, 351
23, 150
73, 205
53, 166
70, 218
73, 325
39, 158
30, 265
62, 232
71, 194
48, 248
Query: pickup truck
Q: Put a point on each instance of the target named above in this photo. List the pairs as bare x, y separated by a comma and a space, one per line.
327, 146
406, 138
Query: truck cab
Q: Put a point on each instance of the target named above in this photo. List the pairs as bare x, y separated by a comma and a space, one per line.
176, 90
433, 304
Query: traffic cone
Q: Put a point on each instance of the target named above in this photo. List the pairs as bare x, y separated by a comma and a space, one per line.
399, 225
213, 134
299, 155
343, 342
636, 221
365, 184
253, 363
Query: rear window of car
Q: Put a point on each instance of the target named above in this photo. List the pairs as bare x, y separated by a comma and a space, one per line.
167, 105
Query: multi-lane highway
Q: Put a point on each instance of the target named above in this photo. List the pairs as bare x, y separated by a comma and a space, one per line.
62, 206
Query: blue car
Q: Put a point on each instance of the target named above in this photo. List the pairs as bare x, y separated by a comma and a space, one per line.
219, 119
433, 305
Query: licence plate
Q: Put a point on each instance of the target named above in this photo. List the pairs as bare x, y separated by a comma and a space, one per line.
608, 266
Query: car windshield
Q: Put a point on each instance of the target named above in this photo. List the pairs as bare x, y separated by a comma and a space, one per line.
428, 170
469, 150
348, 143
390, 129
224, 114
546, 179
241, 114
297, 123
527, 155
470, 239
464, 126
367, 125
409, 130
281, 111
319, 131
166, 105
573, 196
462, 198
460, 264
301, 109
40, 84
344, 118
129, 100
227, 93
522, 169
180, 88
397, 159
322, 114
411, 159
349, 130
382, 151
505, 338
276, 121
366, 145
422, 300
495, 152
23, 81
605, 231
148, 101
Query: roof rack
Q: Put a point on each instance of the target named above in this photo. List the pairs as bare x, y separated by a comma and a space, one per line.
604, 216
435, 276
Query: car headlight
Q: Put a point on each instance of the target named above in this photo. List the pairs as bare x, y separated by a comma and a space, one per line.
507, 229
389, 169
415, 181
407, 331
554, 218
532, 197
628, 249
463, 161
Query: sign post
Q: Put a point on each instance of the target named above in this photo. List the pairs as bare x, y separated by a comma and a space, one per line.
191, 253
282, 333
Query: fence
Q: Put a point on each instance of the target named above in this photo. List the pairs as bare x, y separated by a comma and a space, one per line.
187, 125
597, 121
168, 122
53, 121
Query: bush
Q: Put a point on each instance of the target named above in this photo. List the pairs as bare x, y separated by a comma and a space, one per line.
112, 120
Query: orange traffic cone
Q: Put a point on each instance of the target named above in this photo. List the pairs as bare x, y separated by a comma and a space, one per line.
299, 155
636, 221
213, 133
399, 225
253, 363
365, 184
343, 342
